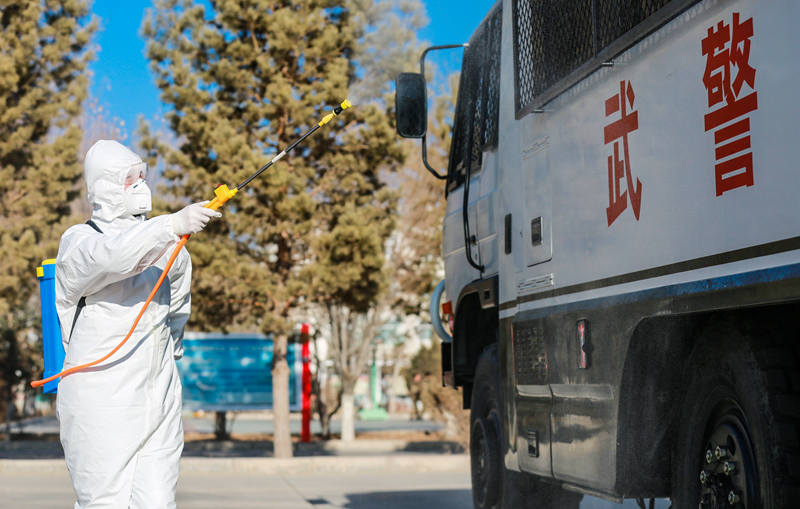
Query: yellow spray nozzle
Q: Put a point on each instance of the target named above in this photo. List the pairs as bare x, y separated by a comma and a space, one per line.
346, 104
223, 194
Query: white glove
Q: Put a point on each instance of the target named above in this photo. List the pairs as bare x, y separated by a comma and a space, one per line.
192, 219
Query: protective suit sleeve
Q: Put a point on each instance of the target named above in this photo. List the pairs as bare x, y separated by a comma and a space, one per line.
89, 261
180, 304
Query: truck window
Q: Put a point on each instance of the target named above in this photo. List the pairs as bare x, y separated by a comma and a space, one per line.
558, 43
478, 104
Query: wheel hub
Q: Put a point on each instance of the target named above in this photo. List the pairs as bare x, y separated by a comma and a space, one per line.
728, 476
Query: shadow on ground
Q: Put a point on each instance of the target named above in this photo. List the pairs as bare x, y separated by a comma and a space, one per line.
445, 499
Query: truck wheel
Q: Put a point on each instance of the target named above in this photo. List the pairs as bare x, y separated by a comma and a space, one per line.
737, 441
493, 486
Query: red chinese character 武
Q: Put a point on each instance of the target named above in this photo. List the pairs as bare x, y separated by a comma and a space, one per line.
725, 48
621, 168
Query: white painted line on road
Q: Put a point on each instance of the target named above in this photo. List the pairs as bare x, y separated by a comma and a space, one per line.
413, 463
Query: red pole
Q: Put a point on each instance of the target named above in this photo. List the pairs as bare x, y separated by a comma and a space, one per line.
305, 435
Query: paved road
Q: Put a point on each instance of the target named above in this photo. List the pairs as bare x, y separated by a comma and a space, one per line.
431, 490
445, 490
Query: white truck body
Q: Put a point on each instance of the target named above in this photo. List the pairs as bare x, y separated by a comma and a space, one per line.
692, 231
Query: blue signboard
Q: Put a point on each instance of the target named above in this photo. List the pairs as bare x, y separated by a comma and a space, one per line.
231, 372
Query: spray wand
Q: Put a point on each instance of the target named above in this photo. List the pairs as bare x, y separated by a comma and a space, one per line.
223, 194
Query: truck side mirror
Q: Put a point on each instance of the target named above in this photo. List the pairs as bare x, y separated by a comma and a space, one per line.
411, 105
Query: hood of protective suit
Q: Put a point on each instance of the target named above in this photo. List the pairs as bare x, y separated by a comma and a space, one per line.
105, 167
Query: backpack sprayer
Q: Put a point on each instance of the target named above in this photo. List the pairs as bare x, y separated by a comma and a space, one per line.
51, 328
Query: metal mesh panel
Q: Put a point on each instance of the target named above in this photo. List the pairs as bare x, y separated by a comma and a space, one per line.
616, 17
553, 38
477, 112
491, 81
530, 357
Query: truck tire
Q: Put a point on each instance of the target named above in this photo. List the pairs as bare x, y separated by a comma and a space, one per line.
493, 486
743, 397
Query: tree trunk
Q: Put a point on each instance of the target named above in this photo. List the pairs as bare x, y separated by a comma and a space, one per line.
220, 426
8, 421
328, 402
348, 413
324, 418
280, 398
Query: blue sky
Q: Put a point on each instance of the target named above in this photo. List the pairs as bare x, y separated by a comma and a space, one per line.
123, 84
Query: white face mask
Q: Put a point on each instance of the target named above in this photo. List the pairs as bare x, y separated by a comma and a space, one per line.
138, 199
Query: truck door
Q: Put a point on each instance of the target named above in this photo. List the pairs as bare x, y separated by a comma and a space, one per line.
538, 243
473, 152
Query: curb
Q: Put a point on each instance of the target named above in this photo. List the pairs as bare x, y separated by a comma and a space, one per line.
407, 463
40, 450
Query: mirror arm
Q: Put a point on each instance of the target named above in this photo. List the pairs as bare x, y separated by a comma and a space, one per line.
425, 161
422, 71
433, 48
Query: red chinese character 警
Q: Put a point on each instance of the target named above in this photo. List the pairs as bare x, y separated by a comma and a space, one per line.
621, 168
725, 48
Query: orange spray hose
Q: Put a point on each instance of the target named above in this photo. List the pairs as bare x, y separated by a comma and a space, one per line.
135, 322
223, 194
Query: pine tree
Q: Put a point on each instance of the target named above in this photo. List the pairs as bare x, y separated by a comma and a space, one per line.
243, 80
351, 279
43, 82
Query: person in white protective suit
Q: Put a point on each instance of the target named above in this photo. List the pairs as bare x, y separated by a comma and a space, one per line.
120, 421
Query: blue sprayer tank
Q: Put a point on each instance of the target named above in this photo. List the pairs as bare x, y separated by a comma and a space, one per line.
51, 327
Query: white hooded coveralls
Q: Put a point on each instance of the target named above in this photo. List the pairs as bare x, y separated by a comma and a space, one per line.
120, 421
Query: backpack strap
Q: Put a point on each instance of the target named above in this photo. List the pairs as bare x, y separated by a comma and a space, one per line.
81, 305
82, 301
94, 225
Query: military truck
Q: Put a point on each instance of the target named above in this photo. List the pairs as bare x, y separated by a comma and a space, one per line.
622, 251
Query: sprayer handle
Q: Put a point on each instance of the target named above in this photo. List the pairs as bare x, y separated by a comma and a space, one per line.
223, 194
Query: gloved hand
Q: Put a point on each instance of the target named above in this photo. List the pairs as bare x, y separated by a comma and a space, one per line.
192, 218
